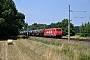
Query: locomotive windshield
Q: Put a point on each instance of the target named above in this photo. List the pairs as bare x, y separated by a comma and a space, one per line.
58, 30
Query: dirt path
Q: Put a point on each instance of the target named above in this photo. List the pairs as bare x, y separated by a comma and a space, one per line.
11, 52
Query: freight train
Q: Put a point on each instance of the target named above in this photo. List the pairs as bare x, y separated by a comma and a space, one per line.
51, 32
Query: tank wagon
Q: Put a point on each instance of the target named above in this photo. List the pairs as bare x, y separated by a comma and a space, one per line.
39, 32
30, 32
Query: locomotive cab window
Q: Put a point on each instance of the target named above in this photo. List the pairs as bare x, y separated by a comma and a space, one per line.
58, 30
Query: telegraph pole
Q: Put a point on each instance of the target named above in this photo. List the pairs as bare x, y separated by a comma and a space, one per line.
69, 26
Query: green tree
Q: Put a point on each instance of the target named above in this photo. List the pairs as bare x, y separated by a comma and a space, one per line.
85, 29
64, 25
77, 29
37, 26
25, 26
11, 21
89, 29
82, 29
59, 24
53, 25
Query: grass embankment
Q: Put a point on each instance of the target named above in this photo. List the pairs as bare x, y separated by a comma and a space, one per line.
77, 37
54, 50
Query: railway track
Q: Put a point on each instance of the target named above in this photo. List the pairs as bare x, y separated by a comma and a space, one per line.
76, 40
72, 39
86, 40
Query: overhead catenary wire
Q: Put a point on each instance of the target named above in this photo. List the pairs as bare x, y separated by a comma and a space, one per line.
79, 16
77, 11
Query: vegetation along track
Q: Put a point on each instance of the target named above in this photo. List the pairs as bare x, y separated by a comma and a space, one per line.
59, 48
77, 40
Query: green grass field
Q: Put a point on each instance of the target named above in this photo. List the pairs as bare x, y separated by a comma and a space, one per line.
69, 51
51, 49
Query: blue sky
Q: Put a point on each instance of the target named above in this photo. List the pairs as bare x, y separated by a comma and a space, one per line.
53, 11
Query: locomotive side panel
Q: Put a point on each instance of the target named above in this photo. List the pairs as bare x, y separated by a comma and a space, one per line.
47, 32
54, 32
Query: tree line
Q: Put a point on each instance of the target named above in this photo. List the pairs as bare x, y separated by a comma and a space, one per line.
85, 29
11, 21
63, 24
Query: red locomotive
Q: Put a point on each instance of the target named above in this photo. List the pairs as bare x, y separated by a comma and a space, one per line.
53, 32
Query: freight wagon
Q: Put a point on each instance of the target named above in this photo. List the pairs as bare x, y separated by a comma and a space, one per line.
38, 32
